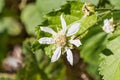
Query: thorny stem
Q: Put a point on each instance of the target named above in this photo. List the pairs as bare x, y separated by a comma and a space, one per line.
78, 70
104, 13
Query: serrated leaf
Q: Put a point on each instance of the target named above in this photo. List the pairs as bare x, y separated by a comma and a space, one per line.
10, 25
93, 71
92, 47
46, 6
31, 17
110, 67
1, 5
114, 45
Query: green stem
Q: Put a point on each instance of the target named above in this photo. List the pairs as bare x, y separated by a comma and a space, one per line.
100, 19
106, 9
104, 13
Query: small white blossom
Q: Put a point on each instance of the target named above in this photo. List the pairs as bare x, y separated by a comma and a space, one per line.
60, 40
108, 26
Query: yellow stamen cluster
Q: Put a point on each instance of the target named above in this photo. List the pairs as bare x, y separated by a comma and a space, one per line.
60, 39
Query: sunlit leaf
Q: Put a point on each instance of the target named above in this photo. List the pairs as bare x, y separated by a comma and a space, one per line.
114, 45
110, 67
115, 3
93, 71
86, 23
76, 10
92, 48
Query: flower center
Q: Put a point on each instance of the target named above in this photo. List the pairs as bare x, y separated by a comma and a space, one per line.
60, 39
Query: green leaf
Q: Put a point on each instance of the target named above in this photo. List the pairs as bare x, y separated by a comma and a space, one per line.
46, 6
115, 34
95, 2
92, 47
115, 3
93, 71
110, 67
10, 25
114, 45
116, 15
87, 23
1, 5
53, 20
31, 64
31, 18
76, 11
49, 50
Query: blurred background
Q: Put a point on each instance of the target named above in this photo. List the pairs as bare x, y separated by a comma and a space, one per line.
18, 19
17, 25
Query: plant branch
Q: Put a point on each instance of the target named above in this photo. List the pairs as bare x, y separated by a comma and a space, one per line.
78, 70
106, 9
100, 19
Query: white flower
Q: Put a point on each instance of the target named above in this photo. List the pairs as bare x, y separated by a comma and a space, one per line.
108, 26
60, 40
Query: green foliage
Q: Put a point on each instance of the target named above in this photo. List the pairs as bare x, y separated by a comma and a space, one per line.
87, 23
92, 47
93, 70
3, 46
48, 6
32, 71
109, 64
1, 5
114, 45
115, 3
31, 17
98, 50
76, 11
10, 25
110, 67
35, 63
50, 50
94, 40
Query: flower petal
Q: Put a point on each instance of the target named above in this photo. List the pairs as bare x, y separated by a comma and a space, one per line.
49, 30
63, 23
76, 42
46, 40
69, 55
108, 26
56, 54
73, 29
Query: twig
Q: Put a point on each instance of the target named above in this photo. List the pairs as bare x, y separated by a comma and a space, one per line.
106, 9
